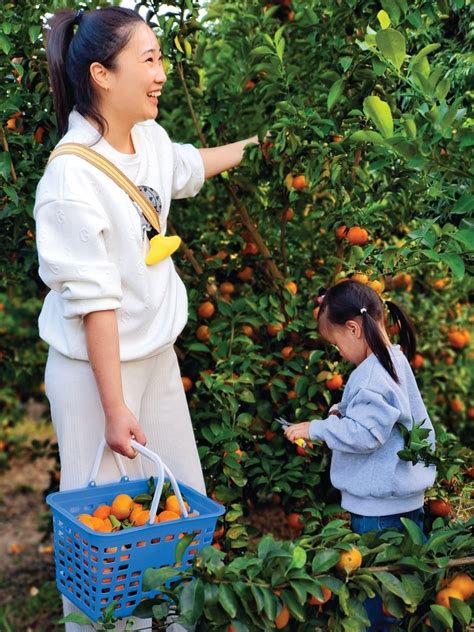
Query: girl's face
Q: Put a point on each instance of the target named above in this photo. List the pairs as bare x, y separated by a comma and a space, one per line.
348, 339
131, 91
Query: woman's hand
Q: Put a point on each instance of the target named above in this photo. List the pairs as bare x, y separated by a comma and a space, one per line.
121, 425
297, 431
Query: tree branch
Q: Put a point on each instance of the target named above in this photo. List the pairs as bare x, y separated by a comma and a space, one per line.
187, 252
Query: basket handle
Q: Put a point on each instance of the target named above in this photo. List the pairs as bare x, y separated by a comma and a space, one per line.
162, 469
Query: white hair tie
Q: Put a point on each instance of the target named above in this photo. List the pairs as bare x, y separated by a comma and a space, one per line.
363, 310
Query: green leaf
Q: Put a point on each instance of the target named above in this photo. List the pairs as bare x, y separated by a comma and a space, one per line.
299, 558
394, 585
191, 600
461, 611
5, 165
442, 89
379, 113
228, 600
414, 531
335, 93
5, 44
182, 546
465, 204
160, 611
153, 578
34, 32
466, 237
392, 45
384, 19
455, 263
74, 617
324, 560
367, 136
430, 48
442, 614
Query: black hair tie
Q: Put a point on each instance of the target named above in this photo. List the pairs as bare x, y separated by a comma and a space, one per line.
78, 16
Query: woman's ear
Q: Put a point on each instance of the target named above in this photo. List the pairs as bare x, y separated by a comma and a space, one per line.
354, 328
100, 76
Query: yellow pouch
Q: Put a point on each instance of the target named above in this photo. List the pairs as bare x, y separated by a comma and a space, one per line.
162, 247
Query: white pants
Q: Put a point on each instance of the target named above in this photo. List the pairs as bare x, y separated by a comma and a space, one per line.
154, 393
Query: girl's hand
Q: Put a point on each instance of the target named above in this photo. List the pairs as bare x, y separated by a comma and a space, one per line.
297, 431
121, 425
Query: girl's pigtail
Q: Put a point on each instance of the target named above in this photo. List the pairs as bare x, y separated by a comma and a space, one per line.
377, 344
58, 39
406, 328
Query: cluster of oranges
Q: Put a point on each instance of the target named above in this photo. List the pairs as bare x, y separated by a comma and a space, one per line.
460, 587
125, 512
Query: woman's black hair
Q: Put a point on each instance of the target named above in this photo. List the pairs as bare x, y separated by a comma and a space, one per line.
349, 299
74, 41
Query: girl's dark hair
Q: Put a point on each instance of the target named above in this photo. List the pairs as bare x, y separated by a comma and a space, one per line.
74, 41
349, 299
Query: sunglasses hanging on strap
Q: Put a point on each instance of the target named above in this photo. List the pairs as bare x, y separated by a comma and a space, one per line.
160, 245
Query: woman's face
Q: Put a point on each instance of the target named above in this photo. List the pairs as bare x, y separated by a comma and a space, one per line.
134, 87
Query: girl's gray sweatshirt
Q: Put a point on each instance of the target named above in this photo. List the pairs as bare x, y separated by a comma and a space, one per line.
365, 467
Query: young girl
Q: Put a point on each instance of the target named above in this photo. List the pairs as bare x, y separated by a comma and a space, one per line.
376, 486
111, 318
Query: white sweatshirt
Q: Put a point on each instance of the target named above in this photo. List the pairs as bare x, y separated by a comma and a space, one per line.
92, 246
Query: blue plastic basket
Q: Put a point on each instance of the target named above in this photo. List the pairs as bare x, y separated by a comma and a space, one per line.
94, 569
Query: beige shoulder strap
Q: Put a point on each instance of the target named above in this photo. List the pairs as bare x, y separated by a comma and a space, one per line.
107, 167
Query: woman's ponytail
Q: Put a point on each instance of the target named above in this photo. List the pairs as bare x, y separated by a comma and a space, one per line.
405, 327
377, 344
58, 40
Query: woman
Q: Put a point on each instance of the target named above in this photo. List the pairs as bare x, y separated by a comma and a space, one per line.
110, 319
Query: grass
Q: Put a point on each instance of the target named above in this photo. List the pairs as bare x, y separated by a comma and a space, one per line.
33, 611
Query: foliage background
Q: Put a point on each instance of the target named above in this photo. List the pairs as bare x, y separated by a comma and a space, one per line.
377, 116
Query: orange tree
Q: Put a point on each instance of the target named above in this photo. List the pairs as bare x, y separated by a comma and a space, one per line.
363, 113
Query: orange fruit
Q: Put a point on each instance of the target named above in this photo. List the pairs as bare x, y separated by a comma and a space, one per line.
247, 330
137, 507
357, 236
335, 382
282, 618
105, 527
440, 507
443, 596
292, 395
457, 339
337, 138
456, 405
314, 601
274, 329
142, 518
86, 519
294, 521
171, 504
102, 511
287, 352
299, 183
227, 287
38, 135
349, 561
341, 231
289, 214
203, 333
250, 248
245, 274
360, 278
249, 85
417, 361
219, 532
464, 584
187, 383
166, 516
377, 285
291, 287
206, 310
122, 506
309, 273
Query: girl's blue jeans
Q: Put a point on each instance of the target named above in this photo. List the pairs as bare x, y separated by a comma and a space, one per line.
363, 524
